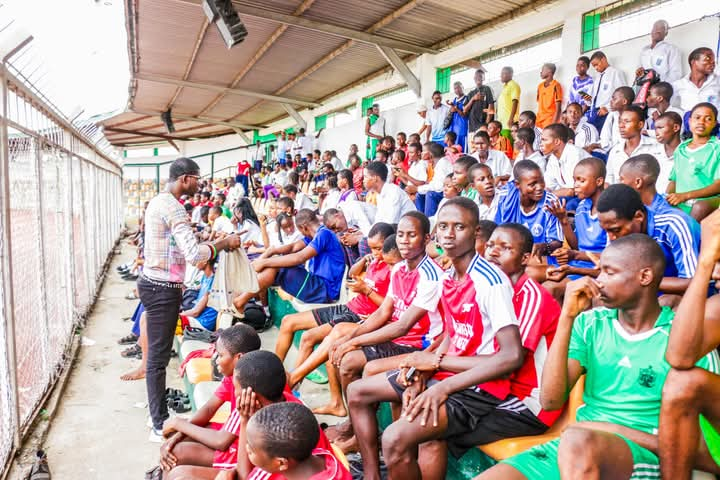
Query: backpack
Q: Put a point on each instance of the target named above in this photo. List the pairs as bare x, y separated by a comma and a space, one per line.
255, 317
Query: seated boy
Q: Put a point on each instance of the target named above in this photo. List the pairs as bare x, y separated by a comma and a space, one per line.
371, 292
586, 235
482, 346
260, 380
620, 347
482, 180
308, 360
524, 200
621, 212
284, 265
201, 315
196, 442
461, 177
690, 393
280, 443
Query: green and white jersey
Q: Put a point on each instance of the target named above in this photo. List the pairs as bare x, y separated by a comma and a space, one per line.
625, 372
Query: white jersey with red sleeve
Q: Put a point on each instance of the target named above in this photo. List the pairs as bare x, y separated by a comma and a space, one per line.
538, 313
420, 287
474, 309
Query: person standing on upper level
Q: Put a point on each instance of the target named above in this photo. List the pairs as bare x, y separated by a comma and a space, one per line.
661, 56
609, 80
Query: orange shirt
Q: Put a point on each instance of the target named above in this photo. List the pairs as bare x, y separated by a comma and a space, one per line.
502, 144
546, 99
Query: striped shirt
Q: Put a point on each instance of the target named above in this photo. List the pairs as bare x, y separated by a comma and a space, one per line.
586, 134
169, 240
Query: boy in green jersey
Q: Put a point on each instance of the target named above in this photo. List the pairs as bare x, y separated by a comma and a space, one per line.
690, 392
621, 349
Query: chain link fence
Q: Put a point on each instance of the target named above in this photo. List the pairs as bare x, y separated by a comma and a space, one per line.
61, 214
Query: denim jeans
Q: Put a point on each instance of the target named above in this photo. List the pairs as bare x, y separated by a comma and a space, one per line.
162, 306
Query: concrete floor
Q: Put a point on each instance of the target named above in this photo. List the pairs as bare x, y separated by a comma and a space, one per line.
99, 429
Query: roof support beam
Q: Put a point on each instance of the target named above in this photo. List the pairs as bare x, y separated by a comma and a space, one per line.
295, 115
401, 67
243, 135
221, 89
350, 34
139, 133
209, 121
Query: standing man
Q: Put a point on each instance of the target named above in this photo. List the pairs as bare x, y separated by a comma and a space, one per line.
610, 79
306, 145
480, 101
459, 123
435, 119
169, 243
508, 102
258, 157
282, 147
660, 56
375, 131
549, 97
582, 84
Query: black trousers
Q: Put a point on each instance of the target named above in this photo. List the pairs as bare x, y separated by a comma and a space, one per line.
162, 306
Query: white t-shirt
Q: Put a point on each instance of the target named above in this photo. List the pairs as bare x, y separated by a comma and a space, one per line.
378, 128
331, 200
498, 162
617, 156
358, 214
306, 145
418, 170
393, 203
252, 232
536, 157
223, 224
560, 171
650, 123
586, 134
610, 133
275, 241
665, 59
442, 169
666, 166
281, 177
435, 119
337, 164
686, 94
303, 201
605, 84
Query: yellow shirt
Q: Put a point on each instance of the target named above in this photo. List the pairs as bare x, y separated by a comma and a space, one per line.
510, 92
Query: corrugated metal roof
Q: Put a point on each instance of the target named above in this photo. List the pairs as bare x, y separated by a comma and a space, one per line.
167, 38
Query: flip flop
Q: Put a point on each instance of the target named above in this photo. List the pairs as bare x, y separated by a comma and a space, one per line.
40, 469
130, 339
155, 473
132, 352
317, 377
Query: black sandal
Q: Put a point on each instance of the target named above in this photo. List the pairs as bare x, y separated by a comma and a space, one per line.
128, 339
132, 352
180, 404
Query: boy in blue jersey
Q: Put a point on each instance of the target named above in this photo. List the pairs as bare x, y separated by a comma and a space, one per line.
284, 265
586, 235
620, 348
524, 201
621, 212
691, 393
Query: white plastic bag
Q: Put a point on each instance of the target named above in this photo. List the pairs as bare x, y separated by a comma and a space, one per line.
233, 275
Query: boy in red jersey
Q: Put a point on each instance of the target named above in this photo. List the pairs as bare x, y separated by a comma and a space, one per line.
197, 443
280, 443
259, 381
510, 248
466, 376
407, 320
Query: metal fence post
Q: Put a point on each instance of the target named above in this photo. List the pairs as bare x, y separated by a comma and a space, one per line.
157, 179
70, 238
39, 146
8, 297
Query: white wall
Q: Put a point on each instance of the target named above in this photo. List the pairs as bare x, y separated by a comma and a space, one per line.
567, 13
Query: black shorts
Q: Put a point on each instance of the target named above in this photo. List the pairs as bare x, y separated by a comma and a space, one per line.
335, 314
476, 417
386, 350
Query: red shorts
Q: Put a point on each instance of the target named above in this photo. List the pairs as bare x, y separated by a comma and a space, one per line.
226, 460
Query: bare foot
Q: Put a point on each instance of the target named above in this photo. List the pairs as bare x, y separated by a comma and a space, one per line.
349, 445
340, 431
331, 409
137, 374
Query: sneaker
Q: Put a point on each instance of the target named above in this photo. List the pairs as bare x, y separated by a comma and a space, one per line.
156, 436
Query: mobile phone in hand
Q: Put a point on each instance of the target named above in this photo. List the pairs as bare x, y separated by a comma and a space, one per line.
409, 374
